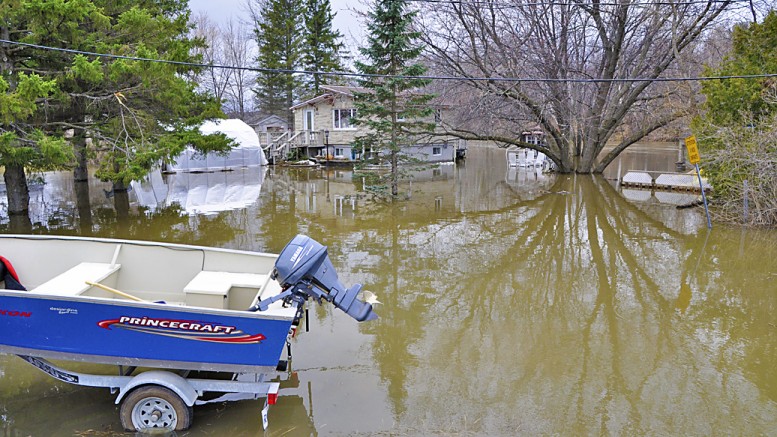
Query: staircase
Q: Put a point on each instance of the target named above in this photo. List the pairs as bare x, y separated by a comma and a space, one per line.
277, 148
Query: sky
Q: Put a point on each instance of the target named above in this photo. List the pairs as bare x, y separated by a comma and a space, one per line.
346, 20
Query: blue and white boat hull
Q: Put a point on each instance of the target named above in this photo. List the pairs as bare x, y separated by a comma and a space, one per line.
140, 334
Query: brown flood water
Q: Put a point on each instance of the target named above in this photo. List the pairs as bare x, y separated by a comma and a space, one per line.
514, 303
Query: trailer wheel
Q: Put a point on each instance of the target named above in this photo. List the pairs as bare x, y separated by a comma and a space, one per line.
152, 407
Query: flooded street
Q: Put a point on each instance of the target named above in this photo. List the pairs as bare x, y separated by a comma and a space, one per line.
513, 302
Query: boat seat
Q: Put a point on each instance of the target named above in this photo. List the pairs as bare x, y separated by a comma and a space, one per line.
73, 282
210, 288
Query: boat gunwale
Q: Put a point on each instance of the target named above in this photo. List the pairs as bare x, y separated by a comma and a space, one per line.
146, 243
151, 245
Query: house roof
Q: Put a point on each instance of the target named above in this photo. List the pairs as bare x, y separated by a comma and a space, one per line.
534, 130
270, 119
256, 118
349, 91
330, 92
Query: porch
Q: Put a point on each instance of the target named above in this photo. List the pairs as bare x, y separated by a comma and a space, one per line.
280, 146
332, 146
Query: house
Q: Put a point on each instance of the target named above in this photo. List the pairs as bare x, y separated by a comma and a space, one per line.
533, 136
264, 123
324, 131
523, 157
268, 127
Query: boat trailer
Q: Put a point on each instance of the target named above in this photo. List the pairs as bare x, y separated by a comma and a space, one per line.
162, 399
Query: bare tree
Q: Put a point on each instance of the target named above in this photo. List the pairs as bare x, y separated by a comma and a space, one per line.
240, 52
213, 80
230, 47
585, 55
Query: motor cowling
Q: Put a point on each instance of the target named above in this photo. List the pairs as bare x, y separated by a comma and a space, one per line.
303, 267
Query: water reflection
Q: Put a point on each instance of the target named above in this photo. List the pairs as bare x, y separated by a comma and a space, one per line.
201, 193
83, 206
649, 156
514, 303
559, 314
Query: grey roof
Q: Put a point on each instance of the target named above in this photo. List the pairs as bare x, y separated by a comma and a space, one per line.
347, 90
256, 118
330, 91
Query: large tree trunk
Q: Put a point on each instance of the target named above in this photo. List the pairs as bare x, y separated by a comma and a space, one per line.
17, 191
20, 224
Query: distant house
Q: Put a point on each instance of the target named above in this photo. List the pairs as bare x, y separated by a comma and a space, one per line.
324, 130
533, 136
264, 123
523, 157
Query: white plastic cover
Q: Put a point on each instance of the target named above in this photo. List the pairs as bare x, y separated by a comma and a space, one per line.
247, 153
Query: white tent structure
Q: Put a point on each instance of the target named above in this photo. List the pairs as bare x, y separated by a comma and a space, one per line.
247, 153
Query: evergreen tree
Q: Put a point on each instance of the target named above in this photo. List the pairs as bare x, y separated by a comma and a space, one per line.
19, 147
279, 37
738, 131
323, 44
754, 51
155, 110
393, 108
136, 113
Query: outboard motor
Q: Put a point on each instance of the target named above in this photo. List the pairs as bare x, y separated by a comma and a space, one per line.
304, 270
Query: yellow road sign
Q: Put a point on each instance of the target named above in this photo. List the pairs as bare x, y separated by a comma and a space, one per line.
693, 150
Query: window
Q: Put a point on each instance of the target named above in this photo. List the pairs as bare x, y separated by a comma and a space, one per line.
338, 152
437, 115
341, 118
436, 151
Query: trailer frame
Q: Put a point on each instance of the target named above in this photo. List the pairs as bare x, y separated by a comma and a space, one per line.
178, 391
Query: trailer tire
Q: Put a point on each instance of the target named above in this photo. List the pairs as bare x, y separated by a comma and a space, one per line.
153, 407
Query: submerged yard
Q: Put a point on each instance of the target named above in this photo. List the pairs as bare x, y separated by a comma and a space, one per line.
513, 302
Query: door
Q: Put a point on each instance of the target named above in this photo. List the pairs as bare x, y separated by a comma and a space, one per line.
308, 124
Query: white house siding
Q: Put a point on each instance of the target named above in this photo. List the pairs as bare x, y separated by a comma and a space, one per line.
340, 136
323, 120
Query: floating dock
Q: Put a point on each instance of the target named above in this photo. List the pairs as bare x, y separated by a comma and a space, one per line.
664, 181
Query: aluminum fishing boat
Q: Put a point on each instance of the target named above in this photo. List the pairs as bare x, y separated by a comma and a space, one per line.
167, 307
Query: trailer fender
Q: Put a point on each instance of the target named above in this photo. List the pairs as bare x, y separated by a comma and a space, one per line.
178, 384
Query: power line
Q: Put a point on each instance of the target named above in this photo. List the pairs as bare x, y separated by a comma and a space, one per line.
737, 5
519, 4
388, 76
